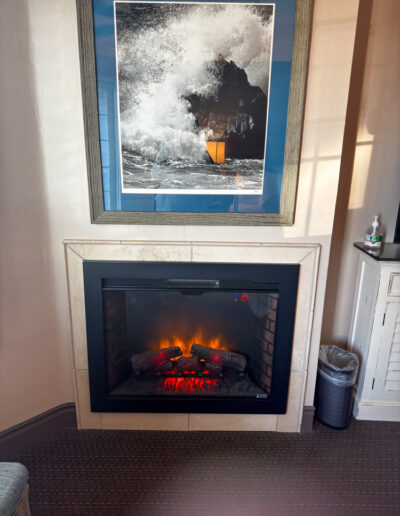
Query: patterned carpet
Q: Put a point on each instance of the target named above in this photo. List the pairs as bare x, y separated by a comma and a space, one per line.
116, 473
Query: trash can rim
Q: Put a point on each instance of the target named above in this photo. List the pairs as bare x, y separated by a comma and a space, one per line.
338, 381
351, 366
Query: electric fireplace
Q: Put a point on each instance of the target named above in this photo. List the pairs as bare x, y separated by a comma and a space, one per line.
189, 337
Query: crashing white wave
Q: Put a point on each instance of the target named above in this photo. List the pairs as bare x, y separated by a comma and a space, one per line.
160, 65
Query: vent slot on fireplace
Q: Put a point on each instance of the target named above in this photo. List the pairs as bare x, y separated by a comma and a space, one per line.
189, 337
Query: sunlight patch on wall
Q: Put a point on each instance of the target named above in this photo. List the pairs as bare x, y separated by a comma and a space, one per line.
322, 201
362, 160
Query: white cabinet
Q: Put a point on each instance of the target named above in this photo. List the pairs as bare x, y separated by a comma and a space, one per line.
375, 338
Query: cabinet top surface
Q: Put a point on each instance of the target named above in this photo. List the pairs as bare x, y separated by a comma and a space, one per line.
388, 252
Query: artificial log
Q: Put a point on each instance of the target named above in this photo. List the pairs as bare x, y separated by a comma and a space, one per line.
162, 368
153, 359
188, 364
220, 357
213, 368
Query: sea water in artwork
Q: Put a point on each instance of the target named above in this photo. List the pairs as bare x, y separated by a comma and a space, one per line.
193, 86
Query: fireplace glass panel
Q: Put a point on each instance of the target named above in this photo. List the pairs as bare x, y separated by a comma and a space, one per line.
197, 342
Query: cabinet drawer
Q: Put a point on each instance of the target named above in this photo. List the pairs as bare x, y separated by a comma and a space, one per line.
394, 284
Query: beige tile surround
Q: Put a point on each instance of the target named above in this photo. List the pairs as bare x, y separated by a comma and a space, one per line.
307, 255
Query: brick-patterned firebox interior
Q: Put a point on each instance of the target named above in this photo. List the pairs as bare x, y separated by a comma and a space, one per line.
189, 373
115, 334
263, 355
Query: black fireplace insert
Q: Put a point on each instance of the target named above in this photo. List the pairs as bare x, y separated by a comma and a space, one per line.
189, 337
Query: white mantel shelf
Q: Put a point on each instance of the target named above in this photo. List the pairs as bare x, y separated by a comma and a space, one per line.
306, 255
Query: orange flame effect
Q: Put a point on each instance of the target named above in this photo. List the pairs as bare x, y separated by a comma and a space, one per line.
185, 346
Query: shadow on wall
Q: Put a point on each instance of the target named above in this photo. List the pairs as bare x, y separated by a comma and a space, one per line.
369, 180
346, 170
27, 324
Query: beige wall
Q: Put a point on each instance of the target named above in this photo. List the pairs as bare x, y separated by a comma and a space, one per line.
44, 196
371, 172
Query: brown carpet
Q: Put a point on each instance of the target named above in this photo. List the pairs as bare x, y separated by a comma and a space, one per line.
116, 473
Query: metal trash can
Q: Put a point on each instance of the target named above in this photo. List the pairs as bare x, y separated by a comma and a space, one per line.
337, 373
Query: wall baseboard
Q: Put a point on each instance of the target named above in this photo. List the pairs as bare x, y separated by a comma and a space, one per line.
39, 428
308, 419
376, 410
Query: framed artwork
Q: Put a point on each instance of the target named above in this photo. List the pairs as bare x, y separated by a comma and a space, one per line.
193, 109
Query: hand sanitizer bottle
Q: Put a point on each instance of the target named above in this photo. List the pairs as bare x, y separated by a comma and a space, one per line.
374, 235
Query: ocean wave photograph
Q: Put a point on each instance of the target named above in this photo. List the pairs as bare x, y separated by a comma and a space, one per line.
193, 87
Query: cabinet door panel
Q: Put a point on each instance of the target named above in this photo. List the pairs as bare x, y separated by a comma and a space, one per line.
363, 315
393, 386
394, 284
387, 375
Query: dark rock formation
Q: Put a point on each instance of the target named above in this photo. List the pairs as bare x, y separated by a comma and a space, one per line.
236, 114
